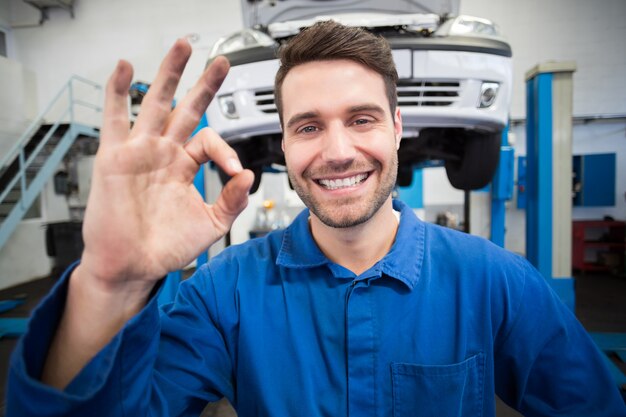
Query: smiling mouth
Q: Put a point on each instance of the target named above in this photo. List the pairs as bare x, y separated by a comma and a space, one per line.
335, 184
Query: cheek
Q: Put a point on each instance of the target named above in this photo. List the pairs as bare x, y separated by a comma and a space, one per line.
298, 158
385, 153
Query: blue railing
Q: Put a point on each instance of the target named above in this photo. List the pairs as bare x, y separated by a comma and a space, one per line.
15, 164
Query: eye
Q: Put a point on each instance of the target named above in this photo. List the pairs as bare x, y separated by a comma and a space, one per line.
361, 121
308, 129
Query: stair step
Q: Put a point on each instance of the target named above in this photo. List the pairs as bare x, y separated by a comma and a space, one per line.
33, 169
38, 136
12, 197
5, 209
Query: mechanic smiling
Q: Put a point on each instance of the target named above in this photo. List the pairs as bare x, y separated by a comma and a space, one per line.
357, 308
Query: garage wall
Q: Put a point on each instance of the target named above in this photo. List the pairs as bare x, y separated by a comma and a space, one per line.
140, 31
4, 13
24, 256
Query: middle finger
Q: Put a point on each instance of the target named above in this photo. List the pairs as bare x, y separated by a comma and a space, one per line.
157, 103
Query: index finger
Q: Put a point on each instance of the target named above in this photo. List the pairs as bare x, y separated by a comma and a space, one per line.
157, 104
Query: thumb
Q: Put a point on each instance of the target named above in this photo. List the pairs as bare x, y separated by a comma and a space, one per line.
233, 199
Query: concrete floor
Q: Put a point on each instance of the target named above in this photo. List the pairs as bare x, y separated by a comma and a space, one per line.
600, 306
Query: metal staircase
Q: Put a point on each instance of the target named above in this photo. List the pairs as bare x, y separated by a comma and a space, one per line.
31, 162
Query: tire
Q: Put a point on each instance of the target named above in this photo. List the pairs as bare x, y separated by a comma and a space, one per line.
258, 171
405, 175
479, 157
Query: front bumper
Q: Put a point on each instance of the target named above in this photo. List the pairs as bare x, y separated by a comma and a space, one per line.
437, 88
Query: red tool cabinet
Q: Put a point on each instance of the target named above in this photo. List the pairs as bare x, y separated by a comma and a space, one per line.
598, 245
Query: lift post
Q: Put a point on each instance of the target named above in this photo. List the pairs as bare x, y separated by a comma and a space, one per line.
549, 92
502, 189
549, 208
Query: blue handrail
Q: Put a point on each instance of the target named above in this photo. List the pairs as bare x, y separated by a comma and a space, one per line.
18, 149
16, 163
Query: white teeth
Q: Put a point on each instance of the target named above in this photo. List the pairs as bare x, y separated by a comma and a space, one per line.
342, 183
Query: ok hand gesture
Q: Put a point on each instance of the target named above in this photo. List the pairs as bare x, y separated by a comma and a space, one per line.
144, 217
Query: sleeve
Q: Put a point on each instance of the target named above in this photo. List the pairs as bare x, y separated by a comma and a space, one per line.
166, 363
545, 362
194, 364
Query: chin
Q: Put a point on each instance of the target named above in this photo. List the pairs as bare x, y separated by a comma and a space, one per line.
342, 222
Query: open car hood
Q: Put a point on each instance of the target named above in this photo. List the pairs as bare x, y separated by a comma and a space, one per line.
265, 12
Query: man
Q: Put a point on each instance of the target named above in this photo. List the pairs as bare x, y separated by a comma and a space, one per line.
358, 308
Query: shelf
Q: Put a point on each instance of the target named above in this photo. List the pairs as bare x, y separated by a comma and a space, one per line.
592, 267
598, 245
605, 244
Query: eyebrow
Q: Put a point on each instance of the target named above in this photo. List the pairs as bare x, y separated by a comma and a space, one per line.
301, 116
354, 109
367, 107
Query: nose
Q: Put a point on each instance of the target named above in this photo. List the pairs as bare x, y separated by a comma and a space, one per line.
338, 145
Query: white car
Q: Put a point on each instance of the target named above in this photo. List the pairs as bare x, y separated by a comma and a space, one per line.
454, 85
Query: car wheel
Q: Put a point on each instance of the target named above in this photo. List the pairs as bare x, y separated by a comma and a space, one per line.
405, 175
477, 163
258, 171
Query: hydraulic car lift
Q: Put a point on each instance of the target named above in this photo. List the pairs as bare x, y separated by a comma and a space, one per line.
549, 189
12, 327
502, 189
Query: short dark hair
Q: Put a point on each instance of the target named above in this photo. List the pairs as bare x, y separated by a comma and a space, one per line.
330, 40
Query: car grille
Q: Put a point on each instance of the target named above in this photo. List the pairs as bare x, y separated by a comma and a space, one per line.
264, 100
411, 93
430, 93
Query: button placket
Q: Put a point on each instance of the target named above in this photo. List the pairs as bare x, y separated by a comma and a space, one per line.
360, 350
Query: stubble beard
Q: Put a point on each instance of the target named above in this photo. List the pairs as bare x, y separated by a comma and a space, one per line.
349, 212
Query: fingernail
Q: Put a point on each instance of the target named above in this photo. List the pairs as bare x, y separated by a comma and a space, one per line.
235, 165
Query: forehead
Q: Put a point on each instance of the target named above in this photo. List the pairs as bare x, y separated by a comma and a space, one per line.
330, 86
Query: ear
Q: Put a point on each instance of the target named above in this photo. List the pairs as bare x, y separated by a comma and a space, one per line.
397, 126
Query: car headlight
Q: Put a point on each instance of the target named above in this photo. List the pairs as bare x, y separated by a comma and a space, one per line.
468, 26
228, 106
488, 94
245, 39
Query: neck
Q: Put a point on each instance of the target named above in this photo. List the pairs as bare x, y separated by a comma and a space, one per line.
359, 247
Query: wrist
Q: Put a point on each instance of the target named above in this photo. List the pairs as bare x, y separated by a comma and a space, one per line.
117, 299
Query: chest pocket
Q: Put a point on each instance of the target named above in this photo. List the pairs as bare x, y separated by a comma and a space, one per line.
439, 391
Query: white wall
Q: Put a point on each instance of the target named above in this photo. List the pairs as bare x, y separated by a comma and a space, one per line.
5, 11
604, 137
102, 32
18, 105
23, 257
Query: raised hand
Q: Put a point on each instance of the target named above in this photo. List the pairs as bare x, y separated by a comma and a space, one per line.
144, 217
